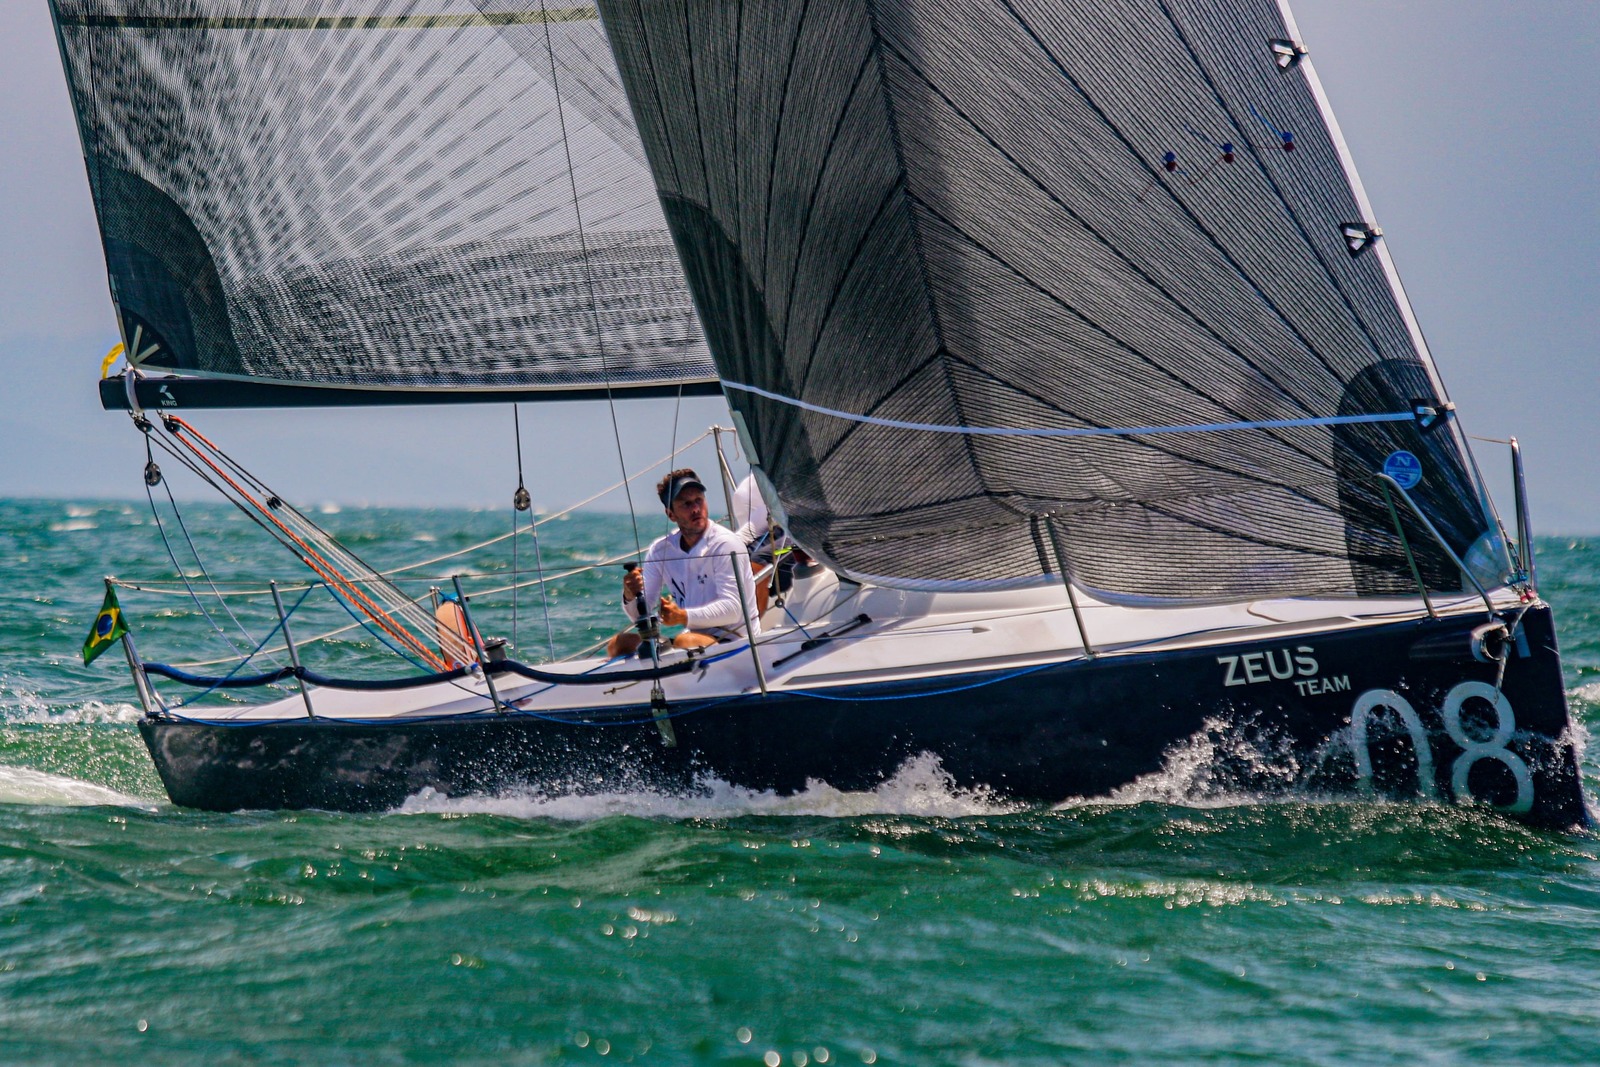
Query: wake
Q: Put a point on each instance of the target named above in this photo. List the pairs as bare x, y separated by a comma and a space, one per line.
25, 786
920, 787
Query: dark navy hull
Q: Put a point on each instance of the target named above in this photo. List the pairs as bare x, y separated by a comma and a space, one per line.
1403, 709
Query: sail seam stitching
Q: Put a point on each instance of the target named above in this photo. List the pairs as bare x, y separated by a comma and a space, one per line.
811, 202
1107, 334
1101, 239
1344, 298
916, 233
1155, 175
694, 98
777, 139
844, 275
1212, 465
655, 85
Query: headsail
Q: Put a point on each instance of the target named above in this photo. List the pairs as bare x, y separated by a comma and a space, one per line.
1004, 287
324, 200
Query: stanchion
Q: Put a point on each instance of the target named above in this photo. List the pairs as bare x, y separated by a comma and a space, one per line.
477, 644
288, 643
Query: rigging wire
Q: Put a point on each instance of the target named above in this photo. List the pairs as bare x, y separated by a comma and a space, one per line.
246, 660
677, 405
544, 590
522, 502
398, 604
204, 571
178, 568
519, 500
588, 276
303, 641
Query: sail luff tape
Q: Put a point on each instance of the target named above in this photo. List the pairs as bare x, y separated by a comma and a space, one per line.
1076, 431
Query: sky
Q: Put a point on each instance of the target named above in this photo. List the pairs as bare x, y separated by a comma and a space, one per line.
1473, 123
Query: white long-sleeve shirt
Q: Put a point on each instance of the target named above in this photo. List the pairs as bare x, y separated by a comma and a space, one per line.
750, 519
701, 580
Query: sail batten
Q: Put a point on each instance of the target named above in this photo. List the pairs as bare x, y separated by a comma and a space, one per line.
994, 274
446, 197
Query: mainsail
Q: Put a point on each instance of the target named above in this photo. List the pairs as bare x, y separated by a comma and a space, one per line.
313, 201
1005, 288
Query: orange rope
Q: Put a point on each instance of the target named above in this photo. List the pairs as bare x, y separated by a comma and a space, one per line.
311, 559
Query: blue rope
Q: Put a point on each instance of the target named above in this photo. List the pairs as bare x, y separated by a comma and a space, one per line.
177, 569
720, 656
189, 539
933, 693
245, 662
1075, 431
562, 721
485, 715
365, 625
798, 625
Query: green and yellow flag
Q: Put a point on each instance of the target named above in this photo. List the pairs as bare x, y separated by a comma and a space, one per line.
108, 627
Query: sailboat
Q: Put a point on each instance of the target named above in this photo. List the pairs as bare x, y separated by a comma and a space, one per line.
1061, 337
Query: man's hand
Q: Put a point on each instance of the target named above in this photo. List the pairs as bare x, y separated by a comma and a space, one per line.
671, 614
633, 585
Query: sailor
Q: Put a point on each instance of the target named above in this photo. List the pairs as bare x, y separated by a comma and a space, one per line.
750, 519
769, 544
691, 573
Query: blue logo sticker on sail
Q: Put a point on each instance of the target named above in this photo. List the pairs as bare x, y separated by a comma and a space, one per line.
1404, 468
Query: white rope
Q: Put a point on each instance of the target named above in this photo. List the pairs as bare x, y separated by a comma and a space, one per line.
553, 516
153, 585
304, 641
1073, 431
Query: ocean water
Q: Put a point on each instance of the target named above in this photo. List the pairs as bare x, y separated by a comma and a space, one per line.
915, 924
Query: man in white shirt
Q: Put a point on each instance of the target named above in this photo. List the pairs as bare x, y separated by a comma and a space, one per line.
750, 519
695, 573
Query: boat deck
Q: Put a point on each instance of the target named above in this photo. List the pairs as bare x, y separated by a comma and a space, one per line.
910, 635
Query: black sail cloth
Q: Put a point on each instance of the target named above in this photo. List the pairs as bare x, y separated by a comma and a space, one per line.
1019, 218
375, 195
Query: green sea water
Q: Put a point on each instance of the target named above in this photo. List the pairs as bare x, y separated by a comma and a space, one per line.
916, 924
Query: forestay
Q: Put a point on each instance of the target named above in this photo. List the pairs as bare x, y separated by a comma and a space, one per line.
377, 195
1002, 287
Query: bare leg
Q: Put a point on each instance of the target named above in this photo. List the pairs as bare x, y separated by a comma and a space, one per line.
624, 644
762, 588
689, 639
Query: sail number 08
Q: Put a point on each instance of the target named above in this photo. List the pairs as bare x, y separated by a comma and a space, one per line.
1375, 701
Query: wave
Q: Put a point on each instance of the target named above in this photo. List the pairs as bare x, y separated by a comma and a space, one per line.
23, 785
29, 709
1221, 765
920, 787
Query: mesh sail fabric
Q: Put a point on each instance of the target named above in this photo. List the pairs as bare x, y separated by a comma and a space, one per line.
960, 213
376, 193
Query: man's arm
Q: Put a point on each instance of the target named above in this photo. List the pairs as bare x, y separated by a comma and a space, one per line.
653, 570
748, 499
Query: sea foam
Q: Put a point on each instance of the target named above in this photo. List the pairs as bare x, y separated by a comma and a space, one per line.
920, 787
23, 785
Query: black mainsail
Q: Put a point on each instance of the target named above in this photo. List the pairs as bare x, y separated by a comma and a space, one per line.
999, 288
313, 201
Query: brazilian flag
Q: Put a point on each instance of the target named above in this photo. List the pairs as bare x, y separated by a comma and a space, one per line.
108, 627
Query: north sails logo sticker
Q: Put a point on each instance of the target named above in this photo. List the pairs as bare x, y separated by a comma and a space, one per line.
1404, 468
